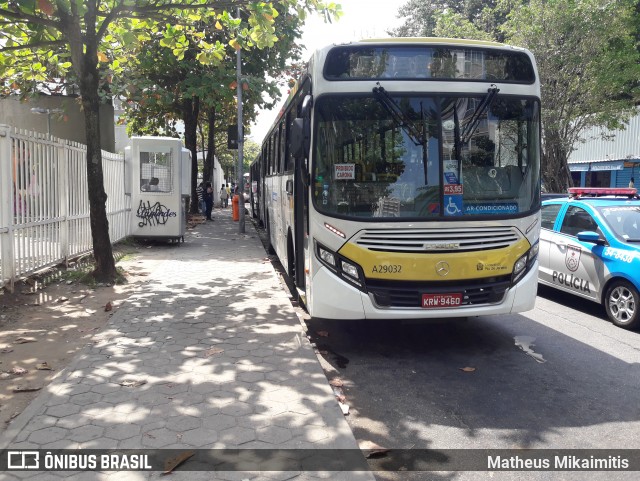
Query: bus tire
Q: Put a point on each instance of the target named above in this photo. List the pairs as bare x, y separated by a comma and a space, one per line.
291, 259
270, 249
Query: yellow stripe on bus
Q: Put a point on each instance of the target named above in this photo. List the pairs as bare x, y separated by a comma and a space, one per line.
418, 266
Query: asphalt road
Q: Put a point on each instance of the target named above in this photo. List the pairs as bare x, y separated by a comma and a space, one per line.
468, 385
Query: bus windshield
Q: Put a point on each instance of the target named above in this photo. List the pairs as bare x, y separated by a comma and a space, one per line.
430, 156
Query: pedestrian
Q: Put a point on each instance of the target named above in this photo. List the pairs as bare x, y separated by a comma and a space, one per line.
228, 194
208, 200
631, 183
200, 193
224, 196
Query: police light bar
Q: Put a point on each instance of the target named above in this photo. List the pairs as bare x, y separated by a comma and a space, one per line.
597, 191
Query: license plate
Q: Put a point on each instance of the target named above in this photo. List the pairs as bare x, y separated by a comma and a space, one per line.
432, 301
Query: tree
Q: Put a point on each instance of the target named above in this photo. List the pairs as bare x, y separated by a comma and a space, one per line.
586, 52
455, 25
588, 65
45, 40
159, 86
447, 18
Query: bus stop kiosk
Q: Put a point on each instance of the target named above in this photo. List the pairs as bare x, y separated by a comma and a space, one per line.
158, 179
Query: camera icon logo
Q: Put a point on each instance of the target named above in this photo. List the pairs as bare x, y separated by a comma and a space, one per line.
23, 460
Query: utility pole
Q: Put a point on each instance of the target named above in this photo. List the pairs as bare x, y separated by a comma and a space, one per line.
240, 177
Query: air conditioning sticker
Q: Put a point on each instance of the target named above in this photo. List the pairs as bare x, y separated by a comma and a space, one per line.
491, 208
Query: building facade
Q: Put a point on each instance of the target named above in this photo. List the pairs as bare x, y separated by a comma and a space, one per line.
607, 158
57, 115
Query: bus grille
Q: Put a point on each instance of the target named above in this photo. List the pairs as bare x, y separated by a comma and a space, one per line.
437, 240
409, 293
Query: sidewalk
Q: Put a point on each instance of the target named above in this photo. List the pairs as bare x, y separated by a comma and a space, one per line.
212, 356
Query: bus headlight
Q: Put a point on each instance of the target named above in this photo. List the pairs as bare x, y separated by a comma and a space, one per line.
344, 268
520, 265
327, 256
350, 270
525, 262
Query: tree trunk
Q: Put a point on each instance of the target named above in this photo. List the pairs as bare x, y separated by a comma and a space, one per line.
555, 169
105, 270
190, 112
207, 168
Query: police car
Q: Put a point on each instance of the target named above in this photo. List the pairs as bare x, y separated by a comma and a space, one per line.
590, 247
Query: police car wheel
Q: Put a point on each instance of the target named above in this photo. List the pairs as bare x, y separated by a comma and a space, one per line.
621, 303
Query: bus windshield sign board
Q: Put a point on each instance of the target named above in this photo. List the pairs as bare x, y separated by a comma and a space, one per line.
437, 62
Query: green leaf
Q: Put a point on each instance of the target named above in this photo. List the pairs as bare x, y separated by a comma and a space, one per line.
179, 52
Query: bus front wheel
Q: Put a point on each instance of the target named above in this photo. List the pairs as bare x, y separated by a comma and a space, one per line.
291, 259
270, 249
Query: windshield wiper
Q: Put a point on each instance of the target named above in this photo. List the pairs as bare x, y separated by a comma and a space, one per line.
417, 136
381, 95
486, 102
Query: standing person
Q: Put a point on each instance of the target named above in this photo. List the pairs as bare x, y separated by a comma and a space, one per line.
200, 194
631, 183
228, 193
224, 196
208, 200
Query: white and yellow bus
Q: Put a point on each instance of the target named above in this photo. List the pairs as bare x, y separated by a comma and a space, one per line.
401, 180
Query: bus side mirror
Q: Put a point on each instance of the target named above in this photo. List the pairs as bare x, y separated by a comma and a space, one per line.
297, 138
301, 130
300, 147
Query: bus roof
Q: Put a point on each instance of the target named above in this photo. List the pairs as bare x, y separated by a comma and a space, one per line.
436, 40
424, 41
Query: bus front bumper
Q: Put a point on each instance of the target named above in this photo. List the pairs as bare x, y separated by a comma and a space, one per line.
333, 298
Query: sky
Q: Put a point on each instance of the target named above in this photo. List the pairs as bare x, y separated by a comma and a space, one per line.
361, 19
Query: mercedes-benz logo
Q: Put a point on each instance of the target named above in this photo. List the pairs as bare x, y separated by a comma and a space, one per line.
442, 268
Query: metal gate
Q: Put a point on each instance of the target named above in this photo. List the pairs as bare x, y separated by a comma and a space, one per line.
44, 202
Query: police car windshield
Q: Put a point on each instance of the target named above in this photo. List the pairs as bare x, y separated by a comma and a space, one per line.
624, 220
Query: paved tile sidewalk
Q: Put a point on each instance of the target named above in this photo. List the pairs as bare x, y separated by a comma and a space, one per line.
224, 363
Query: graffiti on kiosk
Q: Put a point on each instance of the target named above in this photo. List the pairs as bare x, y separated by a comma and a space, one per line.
152, 215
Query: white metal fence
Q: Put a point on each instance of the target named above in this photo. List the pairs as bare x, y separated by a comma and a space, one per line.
44, 201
